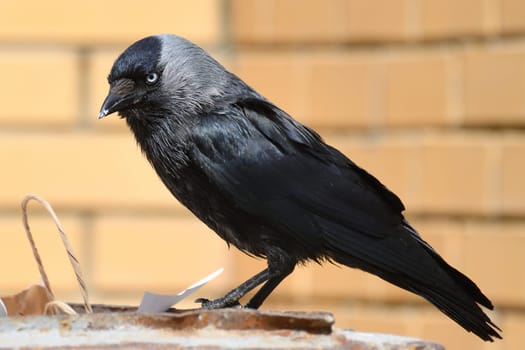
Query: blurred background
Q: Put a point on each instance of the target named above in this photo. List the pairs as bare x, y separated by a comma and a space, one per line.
428, 95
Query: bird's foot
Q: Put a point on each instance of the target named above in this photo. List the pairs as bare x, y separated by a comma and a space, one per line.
220, 303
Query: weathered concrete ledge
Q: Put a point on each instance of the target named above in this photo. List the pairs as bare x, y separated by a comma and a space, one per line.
203, 329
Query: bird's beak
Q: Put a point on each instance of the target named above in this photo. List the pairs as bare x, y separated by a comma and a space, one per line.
113, 103
122, 95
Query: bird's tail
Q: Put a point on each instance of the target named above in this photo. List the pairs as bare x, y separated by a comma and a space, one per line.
423, 271
460, 302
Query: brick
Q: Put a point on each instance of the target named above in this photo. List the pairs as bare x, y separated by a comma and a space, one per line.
513, 326
41, 86
102, 22
494, 85
512, 14
80, 170
416, 90
282, 78
335, 20
321, 89
494, 258
269, 21
155, 253
455, 176
345, 283
375, 319
424, 322
449, 18
435, 326
513, 173
18, 267
371, 317
343, 90
379, 20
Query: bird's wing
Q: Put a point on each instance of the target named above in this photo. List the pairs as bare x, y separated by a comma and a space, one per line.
282, 173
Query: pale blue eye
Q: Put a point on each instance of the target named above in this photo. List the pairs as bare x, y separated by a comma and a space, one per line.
152, 78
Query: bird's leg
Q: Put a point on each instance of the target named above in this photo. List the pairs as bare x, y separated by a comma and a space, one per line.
279, 267
232, 297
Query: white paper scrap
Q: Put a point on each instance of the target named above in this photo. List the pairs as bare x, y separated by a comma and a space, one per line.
3, 309
152, 302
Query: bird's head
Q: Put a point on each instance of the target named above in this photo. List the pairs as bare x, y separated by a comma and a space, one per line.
163, 76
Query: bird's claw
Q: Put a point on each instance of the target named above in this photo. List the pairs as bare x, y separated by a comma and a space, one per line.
220, 303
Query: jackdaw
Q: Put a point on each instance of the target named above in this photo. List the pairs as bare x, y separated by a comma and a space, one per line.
269, 185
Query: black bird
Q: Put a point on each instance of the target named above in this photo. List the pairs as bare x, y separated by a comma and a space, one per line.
269, 185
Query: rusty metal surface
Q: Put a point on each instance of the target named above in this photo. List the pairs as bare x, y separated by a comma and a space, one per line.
229, 319
208, 329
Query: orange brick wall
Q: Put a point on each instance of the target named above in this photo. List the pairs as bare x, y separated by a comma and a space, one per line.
428, 95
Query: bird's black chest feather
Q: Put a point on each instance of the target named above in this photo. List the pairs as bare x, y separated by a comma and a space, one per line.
168, 148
